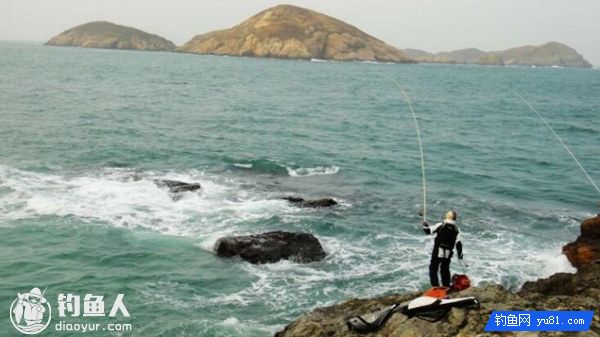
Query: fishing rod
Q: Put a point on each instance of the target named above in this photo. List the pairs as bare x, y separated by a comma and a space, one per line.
559, 139
424, 187
41, 296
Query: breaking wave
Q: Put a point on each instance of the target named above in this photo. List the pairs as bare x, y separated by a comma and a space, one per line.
131, 199
312, 171
261, 166
266, 166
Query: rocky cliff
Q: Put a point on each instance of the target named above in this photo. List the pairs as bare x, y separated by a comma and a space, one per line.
586, 249
102, 34
292, 32
562, 291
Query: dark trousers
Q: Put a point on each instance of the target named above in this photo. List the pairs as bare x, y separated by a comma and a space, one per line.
444, 266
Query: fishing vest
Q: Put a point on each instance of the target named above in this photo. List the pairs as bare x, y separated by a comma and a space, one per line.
446, 236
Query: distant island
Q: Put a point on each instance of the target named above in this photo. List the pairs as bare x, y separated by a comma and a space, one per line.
548, 54
292, 32
103, 34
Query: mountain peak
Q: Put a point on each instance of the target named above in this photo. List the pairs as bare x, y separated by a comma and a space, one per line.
287, 31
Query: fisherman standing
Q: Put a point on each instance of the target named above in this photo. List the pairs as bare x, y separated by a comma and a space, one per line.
447, 238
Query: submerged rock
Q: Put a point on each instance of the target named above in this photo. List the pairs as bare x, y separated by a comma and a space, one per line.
586, 249
271, 247
315, 203
177, 186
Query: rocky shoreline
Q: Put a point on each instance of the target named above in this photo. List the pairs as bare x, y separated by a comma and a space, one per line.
561, 291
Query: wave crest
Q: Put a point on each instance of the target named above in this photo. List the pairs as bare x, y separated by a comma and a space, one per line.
312, 171
267, 166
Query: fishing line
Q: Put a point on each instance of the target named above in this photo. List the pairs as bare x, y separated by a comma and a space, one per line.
463, 266
420, 148
559, 139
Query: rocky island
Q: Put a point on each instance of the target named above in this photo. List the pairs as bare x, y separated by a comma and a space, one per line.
546, 55
107, 35
562, 291
292, 32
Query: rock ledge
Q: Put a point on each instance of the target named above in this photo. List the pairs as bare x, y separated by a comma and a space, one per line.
562, 291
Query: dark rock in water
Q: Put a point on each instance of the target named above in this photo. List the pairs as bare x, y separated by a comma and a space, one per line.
294, 199
327, 202
315, 203
271, 247
177, 186
586, 249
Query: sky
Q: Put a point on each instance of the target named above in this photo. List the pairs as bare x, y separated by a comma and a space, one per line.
432, 25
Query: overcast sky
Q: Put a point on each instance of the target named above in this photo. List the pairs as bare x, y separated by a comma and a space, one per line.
432, 25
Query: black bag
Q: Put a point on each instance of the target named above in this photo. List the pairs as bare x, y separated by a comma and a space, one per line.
446, 236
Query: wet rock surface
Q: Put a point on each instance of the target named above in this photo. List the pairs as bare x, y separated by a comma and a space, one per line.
314, 203
271, 247
586, 249
177, 186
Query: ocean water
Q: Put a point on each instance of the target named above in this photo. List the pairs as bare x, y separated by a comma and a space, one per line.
84, 132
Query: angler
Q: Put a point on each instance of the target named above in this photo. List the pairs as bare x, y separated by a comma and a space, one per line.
447, 238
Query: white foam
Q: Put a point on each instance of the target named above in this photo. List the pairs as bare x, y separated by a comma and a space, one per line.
124, 198
556, 263
231, 321
240, 165
312, 171
365, 266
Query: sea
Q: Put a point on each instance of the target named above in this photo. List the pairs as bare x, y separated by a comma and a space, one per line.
85, 132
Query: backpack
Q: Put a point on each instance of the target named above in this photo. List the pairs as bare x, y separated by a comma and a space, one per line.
446, 236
